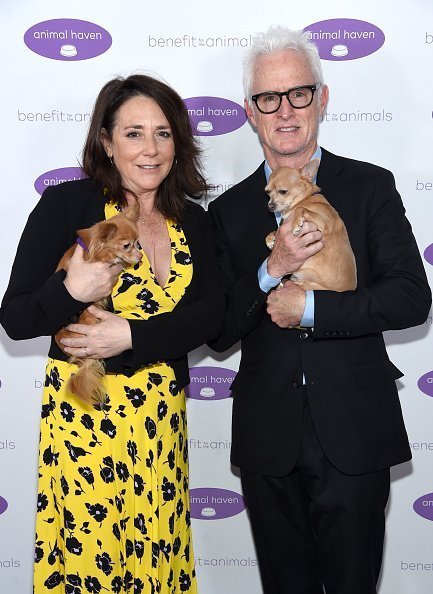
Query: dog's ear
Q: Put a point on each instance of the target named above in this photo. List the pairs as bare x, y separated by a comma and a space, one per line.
309, 170
106, 232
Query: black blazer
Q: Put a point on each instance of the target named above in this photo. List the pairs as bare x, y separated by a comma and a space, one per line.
350, 381
36, 302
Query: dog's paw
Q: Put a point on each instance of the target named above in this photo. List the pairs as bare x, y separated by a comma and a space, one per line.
270, 240
298, 226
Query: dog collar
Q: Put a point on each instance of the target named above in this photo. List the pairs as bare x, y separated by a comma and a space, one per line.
82, 244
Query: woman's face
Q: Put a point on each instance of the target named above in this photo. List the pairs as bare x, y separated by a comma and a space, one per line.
141, 146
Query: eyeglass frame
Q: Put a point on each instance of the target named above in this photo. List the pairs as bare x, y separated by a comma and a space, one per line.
282, 94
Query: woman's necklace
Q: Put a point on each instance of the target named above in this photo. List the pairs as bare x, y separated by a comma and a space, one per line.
152, 219
152, 229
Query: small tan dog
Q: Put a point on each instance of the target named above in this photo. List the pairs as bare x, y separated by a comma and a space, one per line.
113, 241
293, 191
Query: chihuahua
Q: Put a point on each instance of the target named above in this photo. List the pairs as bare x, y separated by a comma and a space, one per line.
113, 241
292, 191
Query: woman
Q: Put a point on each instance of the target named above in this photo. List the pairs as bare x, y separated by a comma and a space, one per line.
113, 507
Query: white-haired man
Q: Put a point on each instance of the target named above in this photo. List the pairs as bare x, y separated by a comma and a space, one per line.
316, 416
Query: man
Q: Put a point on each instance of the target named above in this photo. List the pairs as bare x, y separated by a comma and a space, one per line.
316, 416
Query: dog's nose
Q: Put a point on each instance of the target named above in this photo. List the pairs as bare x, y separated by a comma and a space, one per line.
271, 206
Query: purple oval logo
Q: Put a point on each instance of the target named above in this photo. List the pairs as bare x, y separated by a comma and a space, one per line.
67, 39
58, 176
211, 116
210, 383
215, 504
345, 39
428, 254
425, 383
3, 505
423, 506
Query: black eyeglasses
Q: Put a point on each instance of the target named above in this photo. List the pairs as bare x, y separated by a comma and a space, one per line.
298, 97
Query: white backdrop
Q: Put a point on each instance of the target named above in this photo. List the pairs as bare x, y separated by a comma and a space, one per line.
380, 110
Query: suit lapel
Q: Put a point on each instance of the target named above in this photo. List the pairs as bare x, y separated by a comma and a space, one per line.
258, 201
327, 177
257, 220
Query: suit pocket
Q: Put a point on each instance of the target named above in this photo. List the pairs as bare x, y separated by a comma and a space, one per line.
376, 372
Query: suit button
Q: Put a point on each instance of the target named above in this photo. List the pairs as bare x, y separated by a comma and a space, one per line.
295, 385
303, 335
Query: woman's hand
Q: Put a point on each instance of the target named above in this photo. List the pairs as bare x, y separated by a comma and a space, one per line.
109, 337
90, 281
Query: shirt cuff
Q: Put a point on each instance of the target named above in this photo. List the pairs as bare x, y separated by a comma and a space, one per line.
267, 282
308, 317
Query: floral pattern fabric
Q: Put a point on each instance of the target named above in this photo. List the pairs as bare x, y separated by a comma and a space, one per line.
113, 506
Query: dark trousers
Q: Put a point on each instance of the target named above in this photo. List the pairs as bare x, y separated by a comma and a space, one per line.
317, 529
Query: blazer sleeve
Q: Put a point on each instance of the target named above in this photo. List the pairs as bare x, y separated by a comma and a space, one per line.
393, 291
197, 317
36, 302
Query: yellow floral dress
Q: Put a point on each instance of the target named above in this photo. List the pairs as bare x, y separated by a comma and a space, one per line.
113, 507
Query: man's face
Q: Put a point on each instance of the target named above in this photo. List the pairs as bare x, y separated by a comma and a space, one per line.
288, 136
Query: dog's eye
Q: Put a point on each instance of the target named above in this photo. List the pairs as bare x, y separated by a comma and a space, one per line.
127, 246
282, 192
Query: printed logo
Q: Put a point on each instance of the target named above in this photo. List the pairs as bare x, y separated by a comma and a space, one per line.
345, 39
58, 176
425, 383
225, 562
7, 445
210, 383
3, 505
67, 39
423, 506
55, 115
9, 563
428, 254
215, 504
192, 41
362, 117
422, 185
212, 116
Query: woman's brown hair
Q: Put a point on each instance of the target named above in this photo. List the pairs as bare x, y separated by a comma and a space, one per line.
185, 177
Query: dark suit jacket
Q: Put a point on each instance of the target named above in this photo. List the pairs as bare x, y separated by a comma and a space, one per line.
37, 303
350, 381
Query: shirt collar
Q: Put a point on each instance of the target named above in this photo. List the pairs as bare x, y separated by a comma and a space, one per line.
317, 155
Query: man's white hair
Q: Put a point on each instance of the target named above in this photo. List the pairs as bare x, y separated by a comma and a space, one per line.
279, 39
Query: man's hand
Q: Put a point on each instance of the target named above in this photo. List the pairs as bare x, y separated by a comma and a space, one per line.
290, 251
286, 305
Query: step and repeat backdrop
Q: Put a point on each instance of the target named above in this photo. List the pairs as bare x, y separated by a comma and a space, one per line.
378, 62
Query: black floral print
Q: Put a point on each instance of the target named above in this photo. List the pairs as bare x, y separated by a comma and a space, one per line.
112, 507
